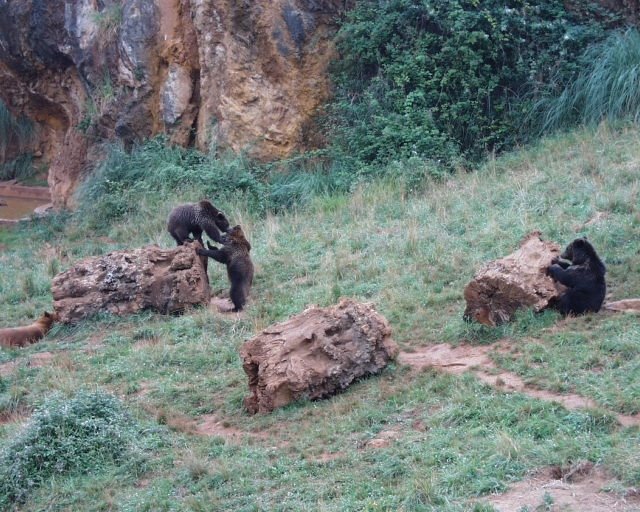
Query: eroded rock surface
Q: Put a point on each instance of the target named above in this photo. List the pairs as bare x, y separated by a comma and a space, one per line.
516, 281
216, 73
315, 354
125, 282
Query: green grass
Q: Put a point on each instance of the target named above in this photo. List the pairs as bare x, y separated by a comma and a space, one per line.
410, 252
607, 89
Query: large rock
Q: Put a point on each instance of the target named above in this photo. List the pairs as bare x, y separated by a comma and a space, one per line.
125, 282
315, 354
516, 281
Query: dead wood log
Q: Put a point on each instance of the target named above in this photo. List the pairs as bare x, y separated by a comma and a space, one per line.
516, 281
315, 354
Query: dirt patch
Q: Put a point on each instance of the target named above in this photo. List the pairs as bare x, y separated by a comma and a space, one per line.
34, 361
328, 457
625, 306
212, 425
476, 359
383, 439
40, 359
221, 305
8, 368
579, 488
146, 342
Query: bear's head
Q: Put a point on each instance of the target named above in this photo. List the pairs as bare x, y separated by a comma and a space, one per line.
580, 251
214, 214
235, 236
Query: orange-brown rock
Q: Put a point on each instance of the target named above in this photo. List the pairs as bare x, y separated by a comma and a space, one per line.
315, 354
126, 282
516, 281
234, 74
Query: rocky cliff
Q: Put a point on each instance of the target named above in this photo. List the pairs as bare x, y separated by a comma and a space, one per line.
235, 74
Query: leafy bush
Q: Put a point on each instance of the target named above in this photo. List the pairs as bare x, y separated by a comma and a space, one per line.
607, 89
87, 432
448, 80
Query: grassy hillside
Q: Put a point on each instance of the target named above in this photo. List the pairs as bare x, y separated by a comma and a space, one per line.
410, 252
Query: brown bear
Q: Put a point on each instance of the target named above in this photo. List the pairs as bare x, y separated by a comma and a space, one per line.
235, 255
582, 272
21, 336
194, 218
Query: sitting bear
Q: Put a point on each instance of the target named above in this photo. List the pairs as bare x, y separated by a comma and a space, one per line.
235, 255
583, 275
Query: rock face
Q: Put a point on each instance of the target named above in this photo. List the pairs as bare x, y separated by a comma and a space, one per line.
125, 282
315, 354
516, 281
235, 74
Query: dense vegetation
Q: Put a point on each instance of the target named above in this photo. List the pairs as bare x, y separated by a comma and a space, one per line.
451, 81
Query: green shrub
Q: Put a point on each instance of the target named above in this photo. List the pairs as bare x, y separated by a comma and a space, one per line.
607, 89
447, 80
86, 432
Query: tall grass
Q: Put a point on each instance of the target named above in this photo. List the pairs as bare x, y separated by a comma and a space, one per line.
607, 89
156, 172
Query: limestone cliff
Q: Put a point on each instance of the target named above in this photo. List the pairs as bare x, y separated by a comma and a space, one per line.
235, 74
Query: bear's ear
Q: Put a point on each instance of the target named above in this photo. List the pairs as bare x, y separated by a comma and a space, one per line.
47, 314
580, 242
220, 215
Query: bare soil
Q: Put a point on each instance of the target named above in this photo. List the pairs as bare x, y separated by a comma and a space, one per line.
476, 359
582, 488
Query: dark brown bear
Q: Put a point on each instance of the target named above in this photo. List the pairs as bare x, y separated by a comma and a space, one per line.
194, 218
235, 255
583, 275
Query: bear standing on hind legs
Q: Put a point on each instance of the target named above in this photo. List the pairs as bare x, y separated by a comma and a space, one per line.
194, 218
583, 275
235, 255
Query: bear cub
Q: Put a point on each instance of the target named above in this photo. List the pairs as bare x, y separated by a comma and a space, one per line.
583, 275
194, 218
235, 255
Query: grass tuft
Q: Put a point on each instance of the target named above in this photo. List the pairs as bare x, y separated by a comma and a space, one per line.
608, 89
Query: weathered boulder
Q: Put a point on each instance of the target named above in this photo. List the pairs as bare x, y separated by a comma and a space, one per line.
516, 281
125, 282
315, 354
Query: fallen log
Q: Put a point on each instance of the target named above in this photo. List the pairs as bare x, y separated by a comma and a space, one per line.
315, 354
125, 282
518, 280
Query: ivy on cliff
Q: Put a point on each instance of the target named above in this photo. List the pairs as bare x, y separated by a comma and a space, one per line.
449, 81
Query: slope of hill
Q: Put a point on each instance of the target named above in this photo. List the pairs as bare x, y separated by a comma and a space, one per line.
415, 437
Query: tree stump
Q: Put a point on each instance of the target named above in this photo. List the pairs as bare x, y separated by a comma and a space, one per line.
125, 282
516, 281
315, 354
